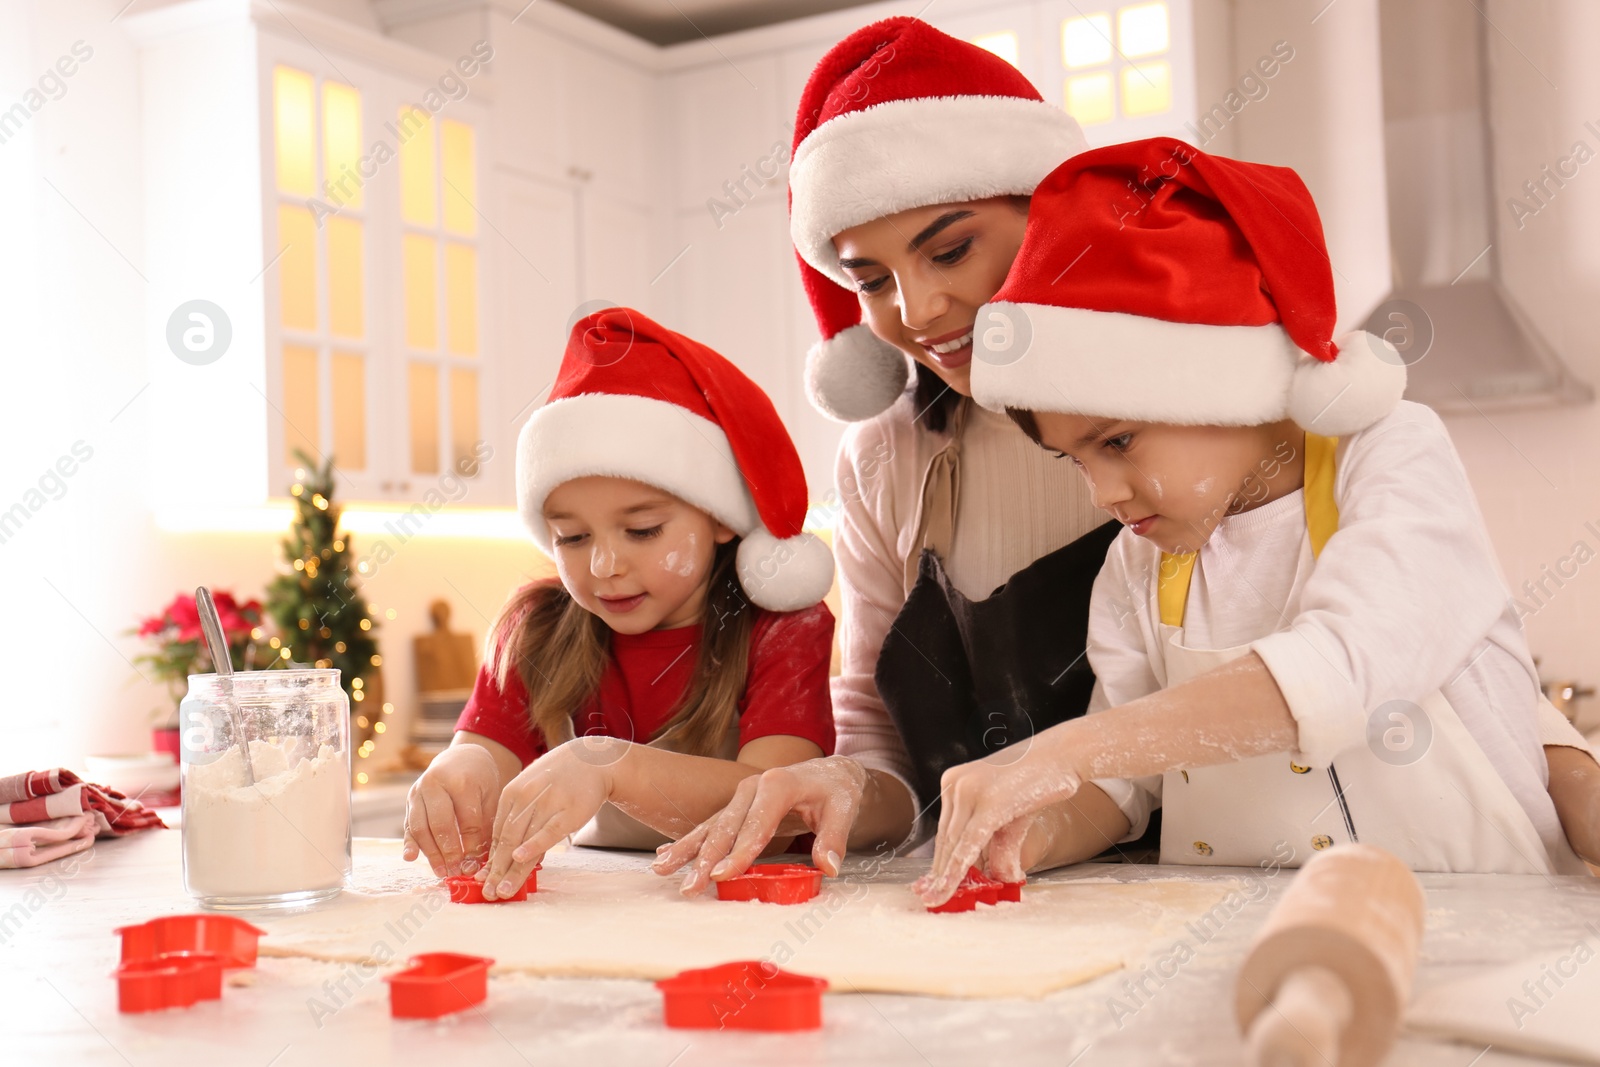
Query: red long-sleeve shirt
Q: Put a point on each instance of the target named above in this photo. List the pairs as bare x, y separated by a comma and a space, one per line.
786, 687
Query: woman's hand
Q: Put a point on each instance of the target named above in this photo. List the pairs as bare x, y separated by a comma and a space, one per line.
987, 812
820, 795
555, 796
451, 808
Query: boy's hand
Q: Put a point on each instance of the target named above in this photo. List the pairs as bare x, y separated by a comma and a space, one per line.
555, 796
986, 810
451, 808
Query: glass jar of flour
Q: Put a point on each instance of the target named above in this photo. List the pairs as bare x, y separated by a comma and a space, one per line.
282, 840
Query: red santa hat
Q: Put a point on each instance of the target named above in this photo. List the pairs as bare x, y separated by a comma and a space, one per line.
1158, 283
635, 400
899, 115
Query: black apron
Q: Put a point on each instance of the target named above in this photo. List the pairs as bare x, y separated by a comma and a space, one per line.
964, 678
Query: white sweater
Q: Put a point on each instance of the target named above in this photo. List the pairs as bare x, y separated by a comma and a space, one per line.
1017, 503
1407, 598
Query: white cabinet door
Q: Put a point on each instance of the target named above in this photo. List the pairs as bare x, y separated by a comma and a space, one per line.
610, 108
620, 264
531, 109
735, 285
723, 119
534, 248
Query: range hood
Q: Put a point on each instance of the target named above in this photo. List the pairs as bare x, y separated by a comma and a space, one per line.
1469, 345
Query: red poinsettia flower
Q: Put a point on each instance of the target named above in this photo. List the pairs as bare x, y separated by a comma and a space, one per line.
186, 617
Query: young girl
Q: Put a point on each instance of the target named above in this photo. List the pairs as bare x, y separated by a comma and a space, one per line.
1301, 628
674, 657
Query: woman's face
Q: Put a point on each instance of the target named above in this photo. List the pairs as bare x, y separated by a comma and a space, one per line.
922, 274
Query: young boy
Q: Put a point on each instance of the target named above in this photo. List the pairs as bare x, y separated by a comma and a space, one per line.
1301, 635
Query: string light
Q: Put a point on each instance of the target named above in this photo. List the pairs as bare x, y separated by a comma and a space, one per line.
379, 727
356, 683
361, 778
361, 721
387, 708
366, 624
274, 642
285, 652
338, 646
390, 614
358, 695
377, 660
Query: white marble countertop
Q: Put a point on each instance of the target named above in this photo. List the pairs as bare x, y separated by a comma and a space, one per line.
57, 952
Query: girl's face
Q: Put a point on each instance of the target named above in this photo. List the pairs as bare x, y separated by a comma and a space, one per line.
637, 557
922, 274
1175, 484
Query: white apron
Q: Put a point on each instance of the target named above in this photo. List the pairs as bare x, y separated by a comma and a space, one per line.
1449, 810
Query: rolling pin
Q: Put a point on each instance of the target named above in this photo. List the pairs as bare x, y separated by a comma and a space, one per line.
1328, 976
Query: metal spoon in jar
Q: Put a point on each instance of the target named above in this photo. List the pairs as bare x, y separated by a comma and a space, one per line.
211, 626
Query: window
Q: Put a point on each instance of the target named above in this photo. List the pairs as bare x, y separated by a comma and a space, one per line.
439, 266
1118, 62
1002, 44
321, 265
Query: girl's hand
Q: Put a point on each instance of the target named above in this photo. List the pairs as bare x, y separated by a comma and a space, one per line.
555, 796
987, 809
820, 795
451, 808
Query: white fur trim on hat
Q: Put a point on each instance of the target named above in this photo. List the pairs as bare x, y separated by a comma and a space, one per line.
1363, 384
1107, 363
891, 157
855, 375
787, 574
648, 440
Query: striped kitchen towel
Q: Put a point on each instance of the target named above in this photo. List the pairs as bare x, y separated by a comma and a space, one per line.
37, 796
41, 842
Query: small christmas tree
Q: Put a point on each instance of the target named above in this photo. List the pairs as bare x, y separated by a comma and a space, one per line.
321, 618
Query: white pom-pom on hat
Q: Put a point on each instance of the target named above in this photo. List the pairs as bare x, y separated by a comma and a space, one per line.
855, 375
1360, 386
784, 574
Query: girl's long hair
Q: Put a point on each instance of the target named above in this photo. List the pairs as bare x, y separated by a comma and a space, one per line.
559, 650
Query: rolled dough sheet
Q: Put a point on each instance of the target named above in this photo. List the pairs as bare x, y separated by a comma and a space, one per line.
1543, 1006
613, 919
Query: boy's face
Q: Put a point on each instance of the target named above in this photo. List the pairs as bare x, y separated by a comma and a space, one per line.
1174, 484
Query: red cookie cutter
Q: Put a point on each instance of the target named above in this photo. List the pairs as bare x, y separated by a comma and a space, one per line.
978, 888
232, 941
438, 983
749, 995
168, 982
465, 889
774, 883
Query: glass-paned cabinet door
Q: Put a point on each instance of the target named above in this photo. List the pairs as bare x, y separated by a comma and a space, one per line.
1124, 70
320, 245
1010, 31
440, 312
375, 320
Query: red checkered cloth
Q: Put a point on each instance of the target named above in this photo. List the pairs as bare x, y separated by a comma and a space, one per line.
41, 842
37, 796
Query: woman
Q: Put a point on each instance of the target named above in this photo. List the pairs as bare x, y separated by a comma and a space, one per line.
915, 154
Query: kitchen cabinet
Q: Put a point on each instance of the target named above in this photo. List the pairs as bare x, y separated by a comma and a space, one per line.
321, 187
601, 168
